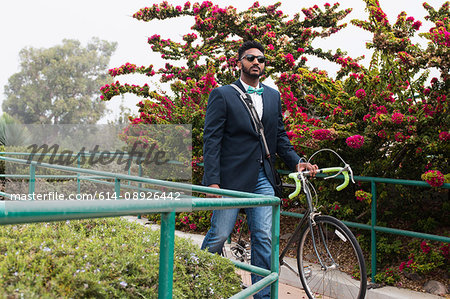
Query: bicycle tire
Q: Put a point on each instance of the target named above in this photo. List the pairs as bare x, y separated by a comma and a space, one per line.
344, 257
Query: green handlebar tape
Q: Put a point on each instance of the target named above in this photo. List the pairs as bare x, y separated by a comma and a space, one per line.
298, 186
345, 173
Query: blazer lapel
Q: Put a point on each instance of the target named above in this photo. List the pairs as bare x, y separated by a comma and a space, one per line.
239, 84
265, 100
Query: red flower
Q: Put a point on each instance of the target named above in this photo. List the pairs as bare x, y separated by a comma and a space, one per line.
322, 134
417, 25
397, 118
289, 59
355, 141
360, 93
433, 177
444, 136
425, 247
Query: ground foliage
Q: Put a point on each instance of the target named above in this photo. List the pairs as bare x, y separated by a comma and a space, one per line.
106, 258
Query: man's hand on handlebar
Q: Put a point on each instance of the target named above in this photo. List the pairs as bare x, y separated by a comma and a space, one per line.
312, 168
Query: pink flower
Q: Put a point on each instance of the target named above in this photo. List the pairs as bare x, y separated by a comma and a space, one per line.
270, 47
193, 226
425, 247
382, 110
355, 141
409, 263
445, 250
433, 177
301, 50
402, 266
399, 137
444, 136
382, 134
397, 118
291, 134
417, 25
322, 134
289, 59
360, 93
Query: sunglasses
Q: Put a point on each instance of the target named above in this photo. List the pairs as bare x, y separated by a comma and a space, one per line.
251, 57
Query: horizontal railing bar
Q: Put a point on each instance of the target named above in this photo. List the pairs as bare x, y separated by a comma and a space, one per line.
226, 203
12, 212
254, 288
5, 194
181, 186
383, 229
251, 268
376, 180
46, 176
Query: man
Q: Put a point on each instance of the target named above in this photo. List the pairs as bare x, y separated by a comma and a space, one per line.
234, 157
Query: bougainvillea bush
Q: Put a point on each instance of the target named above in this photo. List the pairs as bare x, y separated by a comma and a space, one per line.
388, 118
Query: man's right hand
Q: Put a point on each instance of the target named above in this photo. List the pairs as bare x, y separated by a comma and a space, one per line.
214, 195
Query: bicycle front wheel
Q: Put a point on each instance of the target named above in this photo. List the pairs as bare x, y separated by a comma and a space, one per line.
330, 261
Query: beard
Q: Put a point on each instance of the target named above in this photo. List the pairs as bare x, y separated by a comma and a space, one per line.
248, 72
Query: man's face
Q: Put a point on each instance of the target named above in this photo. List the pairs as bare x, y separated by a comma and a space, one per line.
252, 68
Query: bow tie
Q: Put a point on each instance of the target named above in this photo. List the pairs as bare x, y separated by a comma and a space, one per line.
257, 90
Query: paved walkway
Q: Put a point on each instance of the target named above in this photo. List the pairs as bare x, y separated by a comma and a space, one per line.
289, 283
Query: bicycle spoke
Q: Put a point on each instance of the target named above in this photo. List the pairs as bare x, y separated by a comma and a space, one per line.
326, 261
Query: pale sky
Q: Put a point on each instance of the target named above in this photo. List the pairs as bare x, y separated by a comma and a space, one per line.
45, 23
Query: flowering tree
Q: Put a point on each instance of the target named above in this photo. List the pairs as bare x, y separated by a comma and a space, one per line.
385, 118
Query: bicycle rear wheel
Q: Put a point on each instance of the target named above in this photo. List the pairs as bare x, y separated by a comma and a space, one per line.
337, 269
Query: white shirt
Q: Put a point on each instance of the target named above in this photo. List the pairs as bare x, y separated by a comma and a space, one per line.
256, 99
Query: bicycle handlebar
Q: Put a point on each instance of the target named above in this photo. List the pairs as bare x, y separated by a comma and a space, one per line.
298, 175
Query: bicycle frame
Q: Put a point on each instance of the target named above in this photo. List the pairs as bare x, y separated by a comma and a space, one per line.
309, 216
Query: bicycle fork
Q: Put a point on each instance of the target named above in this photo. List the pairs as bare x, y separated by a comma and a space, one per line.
313, 224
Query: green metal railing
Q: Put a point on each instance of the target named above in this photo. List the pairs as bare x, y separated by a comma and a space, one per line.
41, 211
373, 222
372, 227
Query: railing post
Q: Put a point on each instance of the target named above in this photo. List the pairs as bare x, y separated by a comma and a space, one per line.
32, 182
274, 267
78, 174
166, 248
117, 187
373, 237
139, 184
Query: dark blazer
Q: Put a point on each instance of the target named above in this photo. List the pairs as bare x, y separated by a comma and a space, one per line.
232, 150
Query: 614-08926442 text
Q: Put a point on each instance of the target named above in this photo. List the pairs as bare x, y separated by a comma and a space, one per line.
143, 195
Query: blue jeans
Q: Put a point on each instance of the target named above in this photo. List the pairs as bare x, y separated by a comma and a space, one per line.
259, 221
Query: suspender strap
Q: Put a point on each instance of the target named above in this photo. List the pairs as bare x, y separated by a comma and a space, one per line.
248, 103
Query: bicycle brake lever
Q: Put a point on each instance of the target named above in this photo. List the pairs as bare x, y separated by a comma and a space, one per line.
334, 175
351, 172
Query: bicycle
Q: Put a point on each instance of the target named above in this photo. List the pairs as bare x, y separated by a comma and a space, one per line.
327, 251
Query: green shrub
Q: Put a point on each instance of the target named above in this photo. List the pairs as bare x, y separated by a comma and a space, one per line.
389, 276
103, 258
427, 258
